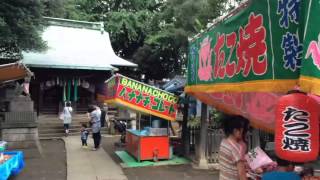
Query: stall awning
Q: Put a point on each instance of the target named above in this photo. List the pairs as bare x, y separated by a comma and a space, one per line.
123, 91
13, 71
254, 55
72, 45
175, 85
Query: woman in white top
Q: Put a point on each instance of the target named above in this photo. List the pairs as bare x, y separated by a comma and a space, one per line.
67, 117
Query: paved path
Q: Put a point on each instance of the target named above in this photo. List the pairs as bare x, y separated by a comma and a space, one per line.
85, 164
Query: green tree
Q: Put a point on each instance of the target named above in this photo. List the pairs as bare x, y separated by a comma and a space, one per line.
152, 33
20, 26
168, 40
127, 21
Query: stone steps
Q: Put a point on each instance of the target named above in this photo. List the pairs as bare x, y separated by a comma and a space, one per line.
62, 134
61, 130
49, 126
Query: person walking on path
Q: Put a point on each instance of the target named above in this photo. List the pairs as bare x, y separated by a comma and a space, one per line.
84, 135
67, 117
232, 149
95, 116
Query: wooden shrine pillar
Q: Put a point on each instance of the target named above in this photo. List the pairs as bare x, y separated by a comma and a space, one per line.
185, 131
201, 146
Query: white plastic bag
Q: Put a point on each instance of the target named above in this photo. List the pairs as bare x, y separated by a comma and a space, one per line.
61, 116
257, 158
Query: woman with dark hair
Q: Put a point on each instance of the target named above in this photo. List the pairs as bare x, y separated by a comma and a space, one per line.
95, 116
67, 117
232, 149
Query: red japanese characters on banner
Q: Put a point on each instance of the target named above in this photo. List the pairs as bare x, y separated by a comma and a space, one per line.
297, 128
252, 47
250, 51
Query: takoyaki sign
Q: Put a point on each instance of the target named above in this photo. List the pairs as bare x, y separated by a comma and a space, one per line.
141, 97
263, 49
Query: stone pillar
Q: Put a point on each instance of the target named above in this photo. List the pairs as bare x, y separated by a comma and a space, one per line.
201, 146
19, 127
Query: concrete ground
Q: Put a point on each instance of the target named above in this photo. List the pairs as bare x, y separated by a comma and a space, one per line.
85, 164
48, 165
176, 172
75, 163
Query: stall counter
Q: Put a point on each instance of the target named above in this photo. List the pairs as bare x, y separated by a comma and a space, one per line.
145, 147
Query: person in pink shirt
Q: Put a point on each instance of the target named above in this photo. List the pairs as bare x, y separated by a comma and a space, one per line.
233, 148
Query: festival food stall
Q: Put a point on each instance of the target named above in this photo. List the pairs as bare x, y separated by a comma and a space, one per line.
249, 59
150, 143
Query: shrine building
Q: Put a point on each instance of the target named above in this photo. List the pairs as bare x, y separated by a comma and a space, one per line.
78, 60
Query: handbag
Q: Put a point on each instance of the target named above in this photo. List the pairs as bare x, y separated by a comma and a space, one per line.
61, 116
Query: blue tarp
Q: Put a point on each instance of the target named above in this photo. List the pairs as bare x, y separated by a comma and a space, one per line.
12, 166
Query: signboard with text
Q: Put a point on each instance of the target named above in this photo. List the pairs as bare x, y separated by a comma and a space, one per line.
258, 49
141, 97
246, 61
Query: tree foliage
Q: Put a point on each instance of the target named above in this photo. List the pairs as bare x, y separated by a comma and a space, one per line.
172, 26
127, 21
152, 33
20, 24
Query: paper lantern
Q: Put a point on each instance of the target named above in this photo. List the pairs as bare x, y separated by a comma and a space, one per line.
297, 128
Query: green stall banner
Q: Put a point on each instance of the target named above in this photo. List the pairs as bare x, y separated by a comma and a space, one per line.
250, 58
310, 71
257, 49
269, 46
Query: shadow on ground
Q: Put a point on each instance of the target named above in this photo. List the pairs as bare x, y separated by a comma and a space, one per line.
176, 172
50, 165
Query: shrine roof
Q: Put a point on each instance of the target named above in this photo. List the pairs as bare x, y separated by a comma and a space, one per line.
75, 45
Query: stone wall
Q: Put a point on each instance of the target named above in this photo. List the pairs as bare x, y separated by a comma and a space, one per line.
18, 122
20, 138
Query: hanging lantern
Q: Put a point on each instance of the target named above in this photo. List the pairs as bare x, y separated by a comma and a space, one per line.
297, 128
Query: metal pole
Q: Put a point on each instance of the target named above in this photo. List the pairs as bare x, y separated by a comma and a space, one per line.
185, 132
